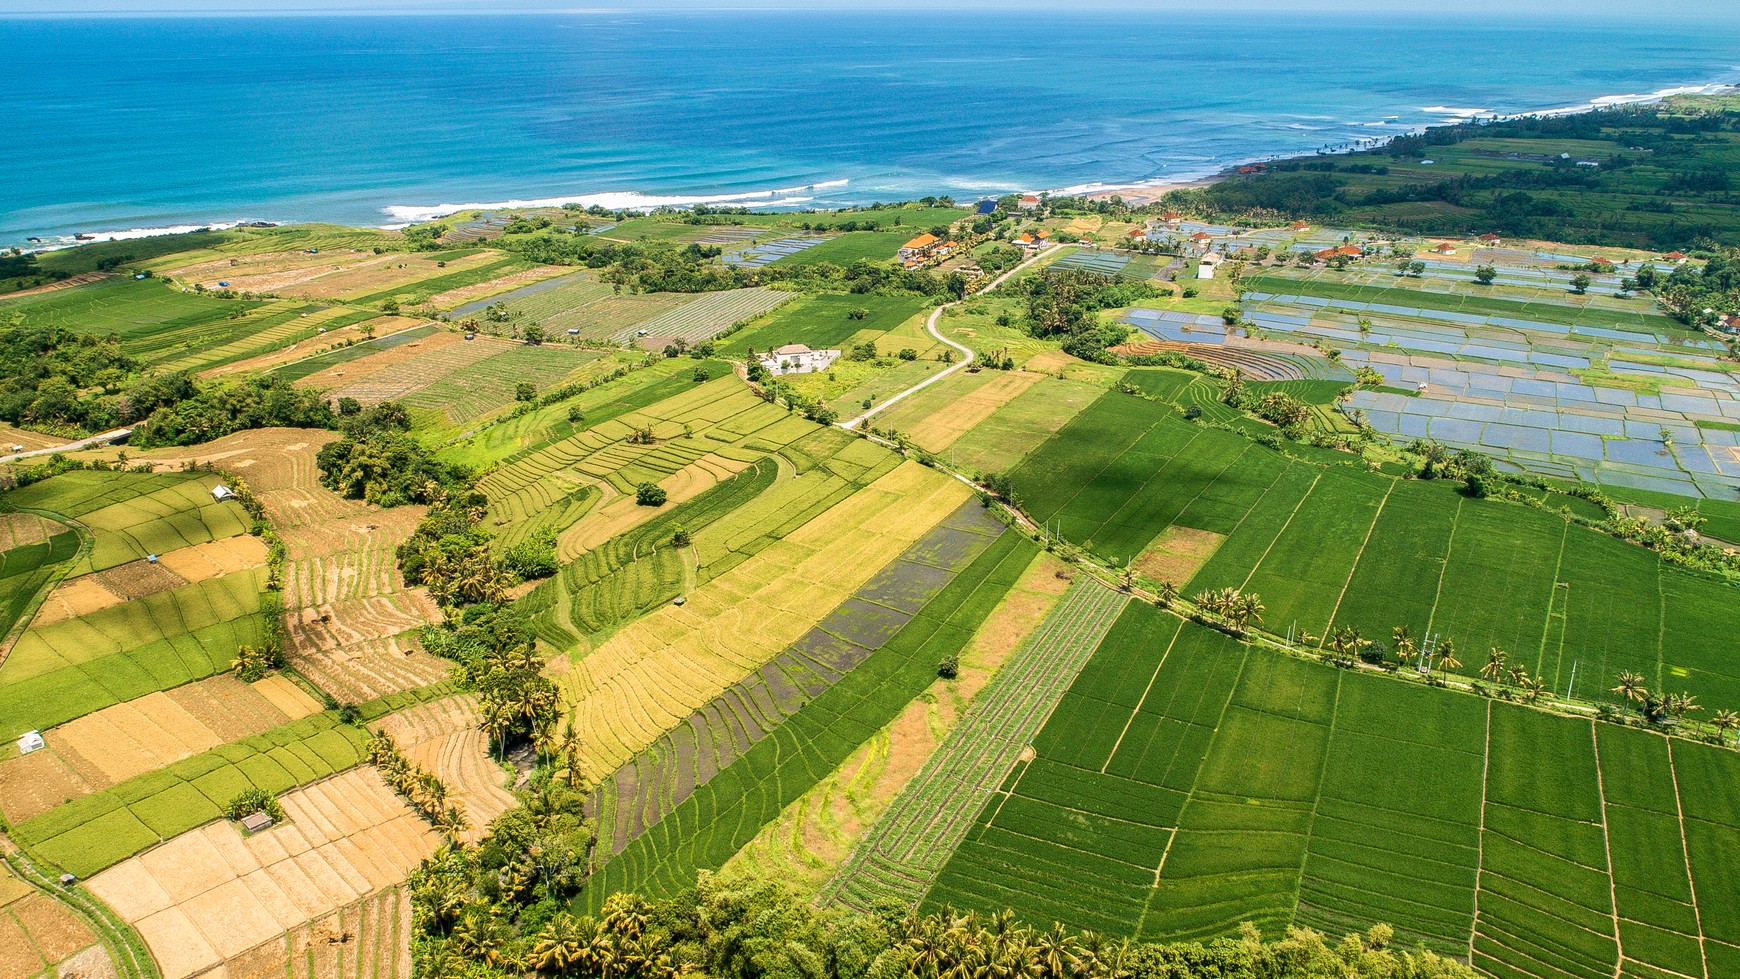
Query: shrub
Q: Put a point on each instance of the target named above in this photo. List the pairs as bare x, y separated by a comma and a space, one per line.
950, 667
252, 801
649, 494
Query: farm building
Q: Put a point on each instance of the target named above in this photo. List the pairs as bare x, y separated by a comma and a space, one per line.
1210, 262
1490, 238
1172, 217
31, 741
918, 249
797, 358
1675, 257
1444, 248
1300, 226
221, 493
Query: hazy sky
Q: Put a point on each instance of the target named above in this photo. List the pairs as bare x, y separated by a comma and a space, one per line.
1585, 8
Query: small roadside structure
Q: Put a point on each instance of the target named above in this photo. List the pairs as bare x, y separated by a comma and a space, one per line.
220, 493
798, 358
31, 741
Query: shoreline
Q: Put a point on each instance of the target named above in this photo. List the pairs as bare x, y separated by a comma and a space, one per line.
1138, 192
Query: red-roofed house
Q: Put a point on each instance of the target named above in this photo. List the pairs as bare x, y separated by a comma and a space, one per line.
1351, 251
1029, 202
1491, 238
1675, 257
1328, 253
1300, 226
1202, 236
1172, 217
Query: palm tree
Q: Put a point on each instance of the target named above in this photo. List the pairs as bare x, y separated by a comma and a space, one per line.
450, 822
1247, 608
1725, 721
1407, 651
1533, 688
558, 945
1345, 642
1631, 687
1494, 667
1681, 704
1447, 660
1168, 594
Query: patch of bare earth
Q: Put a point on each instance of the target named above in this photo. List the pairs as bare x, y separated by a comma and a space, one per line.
1177, 554
507, 283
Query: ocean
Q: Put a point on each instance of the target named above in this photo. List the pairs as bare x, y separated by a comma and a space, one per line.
123, 125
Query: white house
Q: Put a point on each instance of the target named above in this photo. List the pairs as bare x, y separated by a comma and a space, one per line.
796, 358
1029, 202
221, 493
32, 741
1210, 262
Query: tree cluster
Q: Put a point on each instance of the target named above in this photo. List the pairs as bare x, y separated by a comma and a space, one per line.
379, 461
1064, 305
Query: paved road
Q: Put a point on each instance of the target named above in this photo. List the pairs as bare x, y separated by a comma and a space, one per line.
103, 439
967, 353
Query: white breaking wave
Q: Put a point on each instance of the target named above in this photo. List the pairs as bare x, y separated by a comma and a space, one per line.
54, 242
405, 214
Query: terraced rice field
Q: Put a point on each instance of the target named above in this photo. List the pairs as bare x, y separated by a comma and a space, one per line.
131, 516
653, 673
443, 736
211, 894
733, 804
156, 322
27, 568
128, 740
99, 830
824, 322
1157, 804
913, 840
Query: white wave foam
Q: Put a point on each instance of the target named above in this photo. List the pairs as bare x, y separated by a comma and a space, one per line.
1448, 110
404, 214
55, 242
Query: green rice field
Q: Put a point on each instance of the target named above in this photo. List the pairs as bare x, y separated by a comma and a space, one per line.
1187, 784
823, 322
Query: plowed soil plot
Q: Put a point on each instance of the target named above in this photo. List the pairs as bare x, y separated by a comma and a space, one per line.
277, 271
211, 894
366, 939
38, 933
413, 374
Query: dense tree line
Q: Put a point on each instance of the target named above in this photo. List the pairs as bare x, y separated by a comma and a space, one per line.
378, 460
1065, 304
498, 909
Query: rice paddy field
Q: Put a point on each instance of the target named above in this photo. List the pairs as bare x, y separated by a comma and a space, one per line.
1589, 388
1328, 545
824, 322
1187, 784
162, 591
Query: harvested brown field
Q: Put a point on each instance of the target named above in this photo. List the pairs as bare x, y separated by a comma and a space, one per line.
443, 737
283, 693
366, 650
32, 441
214, 558
507, 283
136, 579
1178, 553
380, 326
19, 529
38, 935
276, 271
366, 939
347, 558
358, 370
411, 374
940, 430
212, 895
73, 598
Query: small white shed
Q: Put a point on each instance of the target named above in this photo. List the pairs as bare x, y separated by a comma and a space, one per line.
221, 493
32, 741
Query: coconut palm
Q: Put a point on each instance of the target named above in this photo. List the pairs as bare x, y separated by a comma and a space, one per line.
1407, 650
1447, 660
450, 822
558, 945
1246, 609
1494, 668
1168, 594
1631, 687
1725, 721
1533, 688
1345, 642
1680, 704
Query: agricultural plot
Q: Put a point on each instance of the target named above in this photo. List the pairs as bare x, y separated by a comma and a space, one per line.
668, 773
1092, 260
41, 937
912, 841
1327, 546
936, 417
1000, 441
825, 322
445, 737
125, 741
1186, 785
578, 301
653, 673
757, 256
101, 829
155, 321
706, 316
859, 246
370, 938
403, 371
735, 803
1591, 388
26, 569
421, 278
211, 894
488, 384
321, 362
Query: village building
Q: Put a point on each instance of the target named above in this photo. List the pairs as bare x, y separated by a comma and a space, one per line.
1490, 238
1675, 257
797, 358
1300, 226
1172, 218
1210, 262
1029, 202
918, 249
1444, 248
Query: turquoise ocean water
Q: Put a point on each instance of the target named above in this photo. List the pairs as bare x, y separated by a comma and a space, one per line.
113, 125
